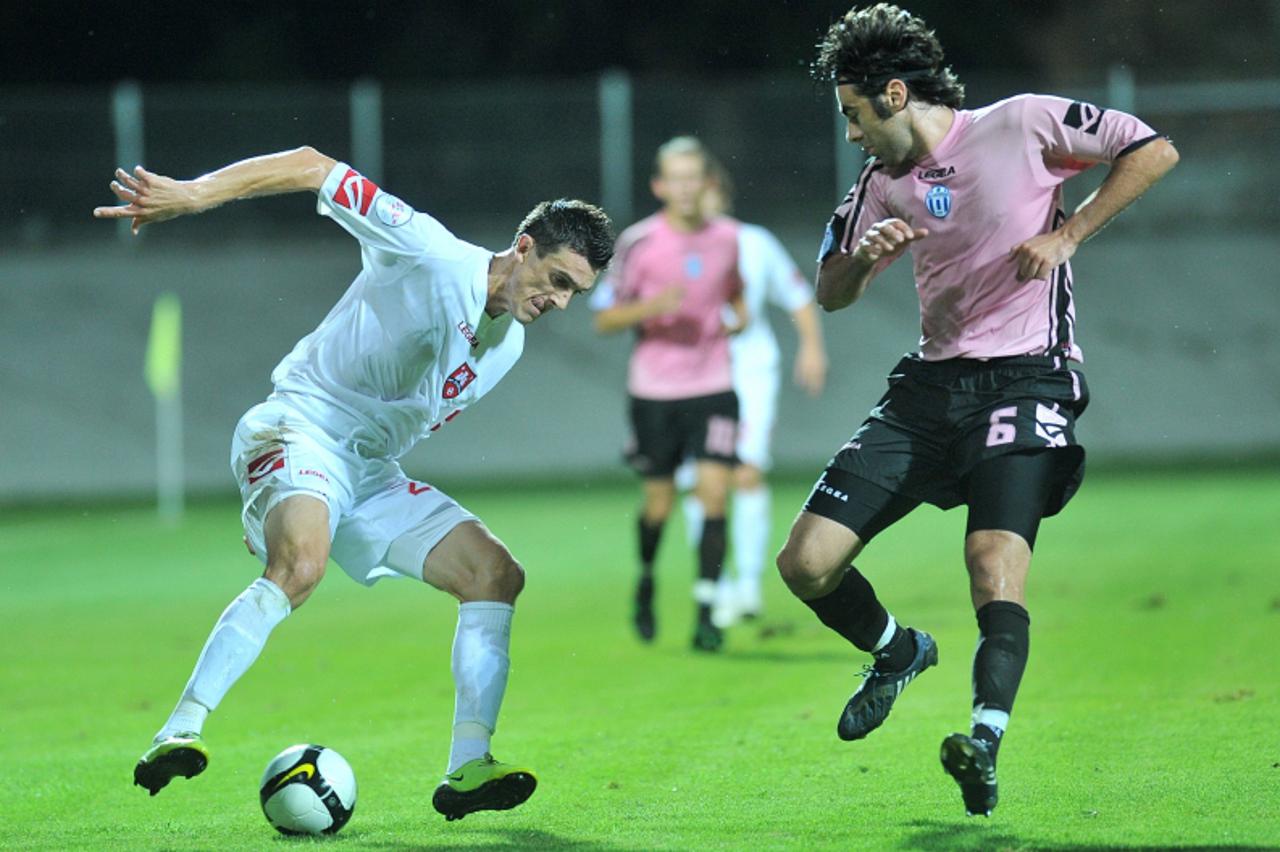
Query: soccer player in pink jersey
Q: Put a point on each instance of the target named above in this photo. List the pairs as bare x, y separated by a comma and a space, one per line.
672, 278
984, 413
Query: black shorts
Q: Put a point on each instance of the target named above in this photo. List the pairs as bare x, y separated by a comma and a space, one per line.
940, 419
667, 431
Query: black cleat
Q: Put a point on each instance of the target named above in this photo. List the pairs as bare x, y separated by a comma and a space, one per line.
646, 625
707, 637
183, 755
969, 761
869, 706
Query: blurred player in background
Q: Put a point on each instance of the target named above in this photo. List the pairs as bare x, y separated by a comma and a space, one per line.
675, 274
429, 326
984, 414
769, 277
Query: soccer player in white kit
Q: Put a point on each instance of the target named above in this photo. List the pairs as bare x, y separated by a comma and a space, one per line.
984, 413
429, 326
769, 277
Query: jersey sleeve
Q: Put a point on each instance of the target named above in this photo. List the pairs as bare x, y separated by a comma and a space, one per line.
785, 286
861, 209
378, 219
1073, 135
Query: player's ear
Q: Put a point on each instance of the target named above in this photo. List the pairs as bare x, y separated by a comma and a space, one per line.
895, 95
524, 245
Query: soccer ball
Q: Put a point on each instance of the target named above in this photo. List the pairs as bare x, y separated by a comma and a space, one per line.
308, 789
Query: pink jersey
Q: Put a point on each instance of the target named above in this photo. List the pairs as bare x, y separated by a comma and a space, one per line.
686, 353
993, 181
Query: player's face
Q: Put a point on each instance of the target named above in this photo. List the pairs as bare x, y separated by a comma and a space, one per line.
681, 183
888, 139
541, 284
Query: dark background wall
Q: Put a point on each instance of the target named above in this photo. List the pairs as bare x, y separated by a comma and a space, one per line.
487, 108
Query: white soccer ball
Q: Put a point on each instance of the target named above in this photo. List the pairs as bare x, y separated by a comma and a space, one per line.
308, 789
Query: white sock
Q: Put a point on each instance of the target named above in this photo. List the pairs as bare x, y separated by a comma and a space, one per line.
996, 720
704, 591
232, 646
890, 627
693, 515
480, 665
749, 537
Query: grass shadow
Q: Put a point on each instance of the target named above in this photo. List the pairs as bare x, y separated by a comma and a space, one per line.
941, 836
488, 838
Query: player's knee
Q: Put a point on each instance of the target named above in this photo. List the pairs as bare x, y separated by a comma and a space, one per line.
997, 564
296, 576
747, 477
500, 579
801, 568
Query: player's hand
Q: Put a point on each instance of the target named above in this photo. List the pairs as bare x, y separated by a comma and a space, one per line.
811, 369
667, 302
148, 198
1039, 256
887, 239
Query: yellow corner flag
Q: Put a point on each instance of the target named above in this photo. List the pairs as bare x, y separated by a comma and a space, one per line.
163, 369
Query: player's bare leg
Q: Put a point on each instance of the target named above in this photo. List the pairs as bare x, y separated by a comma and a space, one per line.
471, 564
817, 565
998, 563
712, 492
659, 497
297, 536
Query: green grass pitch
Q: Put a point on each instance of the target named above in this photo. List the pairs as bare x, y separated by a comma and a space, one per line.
1149, 716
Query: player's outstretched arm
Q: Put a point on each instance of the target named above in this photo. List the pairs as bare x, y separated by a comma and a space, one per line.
149, 197
843, 276
1130, 176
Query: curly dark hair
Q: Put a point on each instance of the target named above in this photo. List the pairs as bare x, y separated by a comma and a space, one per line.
869, 47
584, 228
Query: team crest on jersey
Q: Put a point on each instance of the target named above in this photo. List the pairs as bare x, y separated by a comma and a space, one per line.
458, 380
391, 211
355, 192
692, 265
938, 200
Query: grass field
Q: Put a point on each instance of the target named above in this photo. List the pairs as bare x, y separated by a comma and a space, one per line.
1149, 716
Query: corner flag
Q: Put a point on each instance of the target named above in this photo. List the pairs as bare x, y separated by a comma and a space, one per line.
163, 368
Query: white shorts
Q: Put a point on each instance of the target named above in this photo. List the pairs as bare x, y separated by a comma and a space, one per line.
381, 523
757, 389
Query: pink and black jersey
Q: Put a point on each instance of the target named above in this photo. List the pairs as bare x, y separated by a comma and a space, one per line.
993, 181
684, 354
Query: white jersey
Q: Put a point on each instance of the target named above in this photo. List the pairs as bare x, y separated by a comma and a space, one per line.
409, 345
769, 277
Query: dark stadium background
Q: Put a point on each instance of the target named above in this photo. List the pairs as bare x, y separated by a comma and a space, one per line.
486, 108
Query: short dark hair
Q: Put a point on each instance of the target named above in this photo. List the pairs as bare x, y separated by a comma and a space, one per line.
584, 228
869, 47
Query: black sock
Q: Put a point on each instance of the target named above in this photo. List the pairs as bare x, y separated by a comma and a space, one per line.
853, 611
1003, 645
650, 535
711, 549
